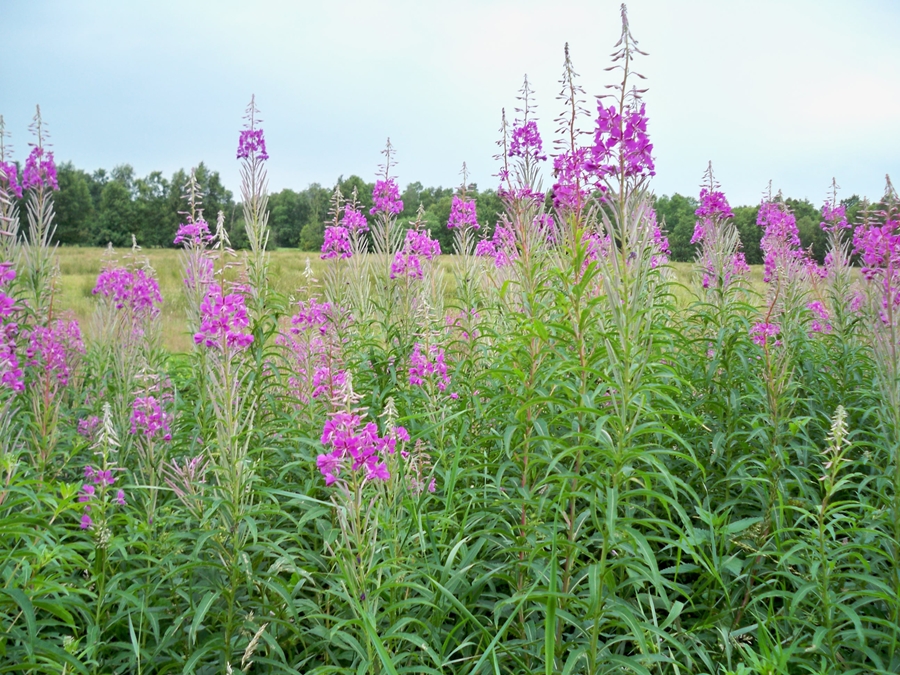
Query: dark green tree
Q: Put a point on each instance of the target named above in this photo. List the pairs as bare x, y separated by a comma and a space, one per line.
675, 216
115, 222
156, 222
73, 205
751, 233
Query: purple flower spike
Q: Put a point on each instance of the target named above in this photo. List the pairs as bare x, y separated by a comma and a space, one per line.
354, 221
40, 170
526, 141
337, 243
9, 178
252, 141
407, 262
761, 332
223, 320
149, 419
462, 214
621, 138
386, 196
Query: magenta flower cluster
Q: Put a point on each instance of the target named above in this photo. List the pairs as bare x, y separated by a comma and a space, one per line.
878, 247
194, 235
313, 344
337, 243
713, 209
88, 426
834, 218
40, 170
52, 349
429, 365
501, 247
100, 482
621, 144
11, 375
252, 141
762, 331
354, 221
462, 213
526, 141
9, 179
408, 261
136, 291
311, 315
386, 197
360, 446
570, 191
780, 241
820, 322
148, 419
223, 320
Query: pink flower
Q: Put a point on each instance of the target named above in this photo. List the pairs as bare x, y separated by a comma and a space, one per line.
386, 197
526, 141
761, 332
252, 141
9, 175
407, 262
193, 235
137, 291
53, 349
354, 221
423, 367
223, 320
360, 446
462, 213
149, 419
40, 170
337, 243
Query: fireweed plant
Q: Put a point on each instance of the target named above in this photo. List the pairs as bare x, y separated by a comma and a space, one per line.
560, 463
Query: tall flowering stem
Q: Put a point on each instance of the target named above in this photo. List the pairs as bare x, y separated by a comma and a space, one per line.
834, 311
720, 261
387, 237
10, 191
126, 336
254, 194
197, 263
877, 243
314, 345
36, 266
103, 500
570, 189
52, 358
464, 223
227, 370
787, 268
151, 430
364, 472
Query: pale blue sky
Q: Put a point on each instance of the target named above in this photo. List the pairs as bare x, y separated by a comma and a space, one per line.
794, 91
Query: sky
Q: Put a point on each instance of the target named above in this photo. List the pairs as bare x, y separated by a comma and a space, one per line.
793, 91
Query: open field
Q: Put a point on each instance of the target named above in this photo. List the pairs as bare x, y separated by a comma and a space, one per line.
79, 267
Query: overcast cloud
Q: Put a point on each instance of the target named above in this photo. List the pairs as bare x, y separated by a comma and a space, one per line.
795, 92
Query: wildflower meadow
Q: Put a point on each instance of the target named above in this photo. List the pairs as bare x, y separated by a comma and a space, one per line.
547, 456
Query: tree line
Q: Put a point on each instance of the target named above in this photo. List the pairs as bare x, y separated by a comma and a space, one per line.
94, 209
